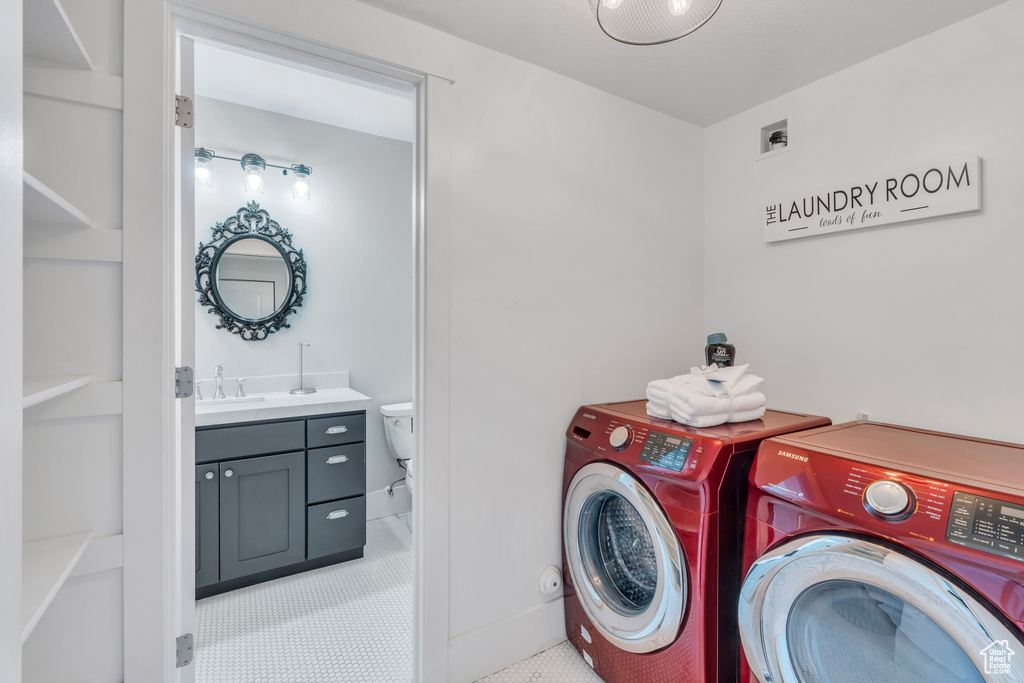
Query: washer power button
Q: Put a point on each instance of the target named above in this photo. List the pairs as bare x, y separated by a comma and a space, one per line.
620, 438
888, 499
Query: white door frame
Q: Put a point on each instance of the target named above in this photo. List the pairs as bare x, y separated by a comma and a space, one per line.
156, 601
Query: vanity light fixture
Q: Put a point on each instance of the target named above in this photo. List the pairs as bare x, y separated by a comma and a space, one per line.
651, 22
253, 165
203, 159
301, 189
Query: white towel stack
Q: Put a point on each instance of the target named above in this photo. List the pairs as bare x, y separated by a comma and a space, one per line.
708, 396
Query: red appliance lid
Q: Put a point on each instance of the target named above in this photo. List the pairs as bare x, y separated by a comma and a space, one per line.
993, 465
739, 434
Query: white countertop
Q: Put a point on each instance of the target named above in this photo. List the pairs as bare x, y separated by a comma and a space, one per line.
277, 405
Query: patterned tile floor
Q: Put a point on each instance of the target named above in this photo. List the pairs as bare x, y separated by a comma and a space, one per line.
560, 664
348, 623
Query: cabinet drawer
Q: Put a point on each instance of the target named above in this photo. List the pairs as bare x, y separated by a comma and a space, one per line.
335, 527
335, 472
333, 431
222, 443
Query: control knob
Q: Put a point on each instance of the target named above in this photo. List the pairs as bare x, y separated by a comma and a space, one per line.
888, 499
620, 438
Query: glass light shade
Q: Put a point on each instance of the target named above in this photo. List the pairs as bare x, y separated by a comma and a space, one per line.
651, 22
203, 175
253, 165
301, 187
203, 158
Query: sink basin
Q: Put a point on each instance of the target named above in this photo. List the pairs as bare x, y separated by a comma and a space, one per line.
228, 401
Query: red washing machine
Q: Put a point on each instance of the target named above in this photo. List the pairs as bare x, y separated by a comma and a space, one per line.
878, 553
652, 547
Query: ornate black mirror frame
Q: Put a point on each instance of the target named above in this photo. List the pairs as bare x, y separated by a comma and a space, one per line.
250, 221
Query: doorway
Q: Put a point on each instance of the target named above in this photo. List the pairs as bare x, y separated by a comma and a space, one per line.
428, 558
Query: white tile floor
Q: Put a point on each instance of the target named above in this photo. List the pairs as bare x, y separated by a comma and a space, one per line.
560, 664
348, 623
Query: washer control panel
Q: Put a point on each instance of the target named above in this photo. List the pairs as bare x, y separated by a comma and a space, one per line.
666, 450
888, 499
987, 524
620, 438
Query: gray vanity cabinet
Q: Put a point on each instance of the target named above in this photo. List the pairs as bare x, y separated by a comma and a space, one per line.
262, 501
278, 497
207, 524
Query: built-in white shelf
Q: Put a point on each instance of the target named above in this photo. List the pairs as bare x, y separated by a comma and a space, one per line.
45, 566
84, 87
50, 37
38, 389
57, 242
44, 205
96, 398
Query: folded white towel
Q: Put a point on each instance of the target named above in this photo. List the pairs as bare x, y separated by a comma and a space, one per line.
707, 396
691, 409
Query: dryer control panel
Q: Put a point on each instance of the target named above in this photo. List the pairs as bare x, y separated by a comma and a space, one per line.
986, 524
666, 450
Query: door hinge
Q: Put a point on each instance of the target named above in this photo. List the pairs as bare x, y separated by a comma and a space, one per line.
184, 649
182, 111
183, 382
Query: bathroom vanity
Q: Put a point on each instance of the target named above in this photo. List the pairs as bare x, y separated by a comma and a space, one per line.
279, 495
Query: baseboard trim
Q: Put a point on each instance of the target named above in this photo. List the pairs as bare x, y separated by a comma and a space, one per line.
380, 504
483, 652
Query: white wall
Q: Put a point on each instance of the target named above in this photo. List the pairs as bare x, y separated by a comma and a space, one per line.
576, 227
918, 323
355, 233
11, 151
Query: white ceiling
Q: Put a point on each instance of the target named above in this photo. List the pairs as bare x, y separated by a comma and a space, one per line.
252, 80
748, 53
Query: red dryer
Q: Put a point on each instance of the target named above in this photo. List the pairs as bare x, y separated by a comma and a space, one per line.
652, 523
878, 554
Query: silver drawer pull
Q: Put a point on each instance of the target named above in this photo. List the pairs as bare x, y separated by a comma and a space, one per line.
335, 459
337, 430
337, 513
209, 475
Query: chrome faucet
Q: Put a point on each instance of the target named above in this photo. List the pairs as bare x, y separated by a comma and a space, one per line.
199, 391
219, 379
302, 389
241, 389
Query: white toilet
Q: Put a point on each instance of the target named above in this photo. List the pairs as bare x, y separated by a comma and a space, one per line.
401, 441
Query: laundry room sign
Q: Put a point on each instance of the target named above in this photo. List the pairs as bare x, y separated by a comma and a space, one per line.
923, 191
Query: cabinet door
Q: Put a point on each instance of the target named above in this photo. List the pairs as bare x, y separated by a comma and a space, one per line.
262, 514
207, 524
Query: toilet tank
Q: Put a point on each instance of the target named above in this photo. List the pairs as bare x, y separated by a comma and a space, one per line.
398, 429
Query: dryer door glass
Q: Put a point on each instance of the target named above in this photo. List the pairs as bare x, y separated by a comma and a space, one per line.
624, 558
618, 552
837, 609
850, 632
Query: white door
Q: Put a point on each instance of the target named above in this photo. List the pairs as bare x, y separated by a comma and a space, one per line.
624, 558
185, 353
834, 609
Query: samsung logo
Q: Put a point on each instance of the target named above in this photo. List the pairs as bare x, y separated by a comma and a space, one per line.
793, 456
589, 416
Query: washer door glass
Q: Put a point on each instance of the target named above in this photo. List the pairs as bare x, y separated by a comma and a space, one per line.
850, 632
618, 552
834, 609
624, 559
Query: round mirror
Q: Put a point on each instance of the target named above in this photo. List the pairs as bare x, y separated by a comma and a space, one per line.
250, 275
252, 279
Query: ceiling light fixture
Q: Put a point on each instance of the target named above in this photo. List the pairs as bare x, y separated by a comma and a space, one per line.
254, 165
652, 22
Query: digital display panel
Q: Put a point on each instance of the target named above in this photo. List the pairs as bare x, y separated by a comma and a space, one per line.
992, 526
664, 450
